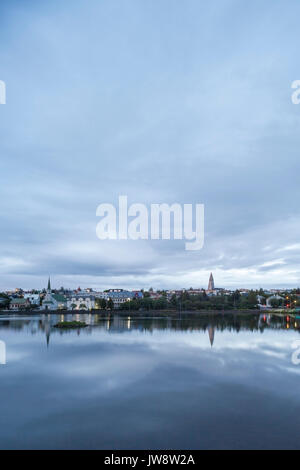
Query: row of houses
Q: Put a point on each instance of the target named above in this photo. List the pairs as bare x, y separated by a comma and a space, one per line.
89, 299
78, 300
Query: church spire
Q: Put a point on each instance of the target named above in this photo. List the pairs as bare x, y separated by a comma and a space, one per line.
211, 282
49, 285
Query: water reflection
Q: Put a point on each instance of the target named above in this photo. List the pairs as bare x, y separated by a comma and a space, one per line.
120, 323
126, 382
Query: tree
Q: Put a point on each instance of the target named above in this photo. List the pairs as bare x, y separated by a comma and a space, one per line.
275, 303
101, 304
82, 307
73, 306
173, 300
4, 301
110, 304
252, 299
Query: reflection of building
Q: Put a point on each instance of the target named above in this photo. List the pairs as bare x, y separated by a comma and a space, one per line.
47, 331
211, 283
211, 334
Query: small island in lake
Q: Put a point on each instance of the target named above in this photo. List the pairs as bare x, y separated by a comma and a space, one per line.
70, 324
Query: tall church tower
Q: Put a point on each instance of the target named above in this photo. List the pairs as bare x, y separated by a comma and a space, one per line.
49, 286
211, 282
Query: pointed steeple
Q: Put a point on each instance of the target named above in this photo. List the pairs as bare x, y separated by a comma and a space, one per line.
211, 282
49, 285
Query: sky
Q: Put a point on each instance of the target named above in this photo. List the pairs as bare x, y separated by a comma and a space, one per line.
162, 101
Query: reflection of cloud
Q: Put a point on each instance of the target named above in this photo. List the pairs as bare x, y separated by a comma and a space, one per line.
275, 354
109, 370
292, 370
127, 357
140, 388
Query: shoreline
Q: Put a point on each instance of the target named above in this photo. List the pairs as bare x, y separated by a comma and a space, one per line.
143, 313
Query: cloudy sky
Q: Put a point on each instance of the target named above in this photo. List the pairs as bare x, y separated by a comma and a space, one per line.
162, 101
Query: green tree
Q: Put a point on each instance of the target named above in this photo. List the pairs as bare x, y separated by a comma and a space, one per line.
100, 304
4, 301
275, 303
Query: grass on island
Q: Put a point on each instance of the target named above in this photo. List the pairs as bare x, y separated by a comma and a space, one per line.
71, 324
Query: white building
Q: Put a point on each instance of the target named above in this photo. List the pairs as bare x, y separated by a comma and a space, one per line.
34, 299
81, 302
274, 297
53, 301
120, 296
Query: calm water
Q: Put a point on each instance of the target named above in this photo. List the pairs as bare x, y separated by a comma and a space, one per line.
131, 383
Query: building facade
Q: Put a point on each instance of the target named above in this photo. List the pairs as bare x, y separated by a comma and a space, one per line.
81, 302
53, 301
19, 304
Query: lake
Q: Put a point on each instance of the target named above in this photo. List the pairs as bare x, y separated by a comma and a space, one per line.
206, 382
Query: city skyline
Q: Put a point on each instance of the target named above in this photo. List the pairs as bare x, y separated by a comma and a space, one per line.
210, 288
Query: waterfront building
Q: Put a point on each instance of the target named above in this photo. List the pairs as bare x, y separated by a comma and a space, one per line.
53, 301
81, 302
274, 297
34, 299
120, 296
19, 304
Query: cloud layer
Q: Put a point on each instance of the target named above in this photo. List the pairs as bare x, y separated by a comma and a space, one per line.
165, 103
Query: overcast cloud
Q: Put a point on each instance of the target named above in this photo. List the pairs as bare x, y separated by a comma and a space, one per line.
163, 101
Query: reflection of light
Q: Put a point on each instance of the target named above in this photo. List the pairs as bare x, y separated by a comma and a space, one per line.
296, 324
128, 323
287, 318
287, 326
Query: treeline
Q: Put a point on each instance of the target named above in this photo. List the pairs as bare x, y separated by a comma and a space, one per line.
187, 302
4, 300
103, 304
